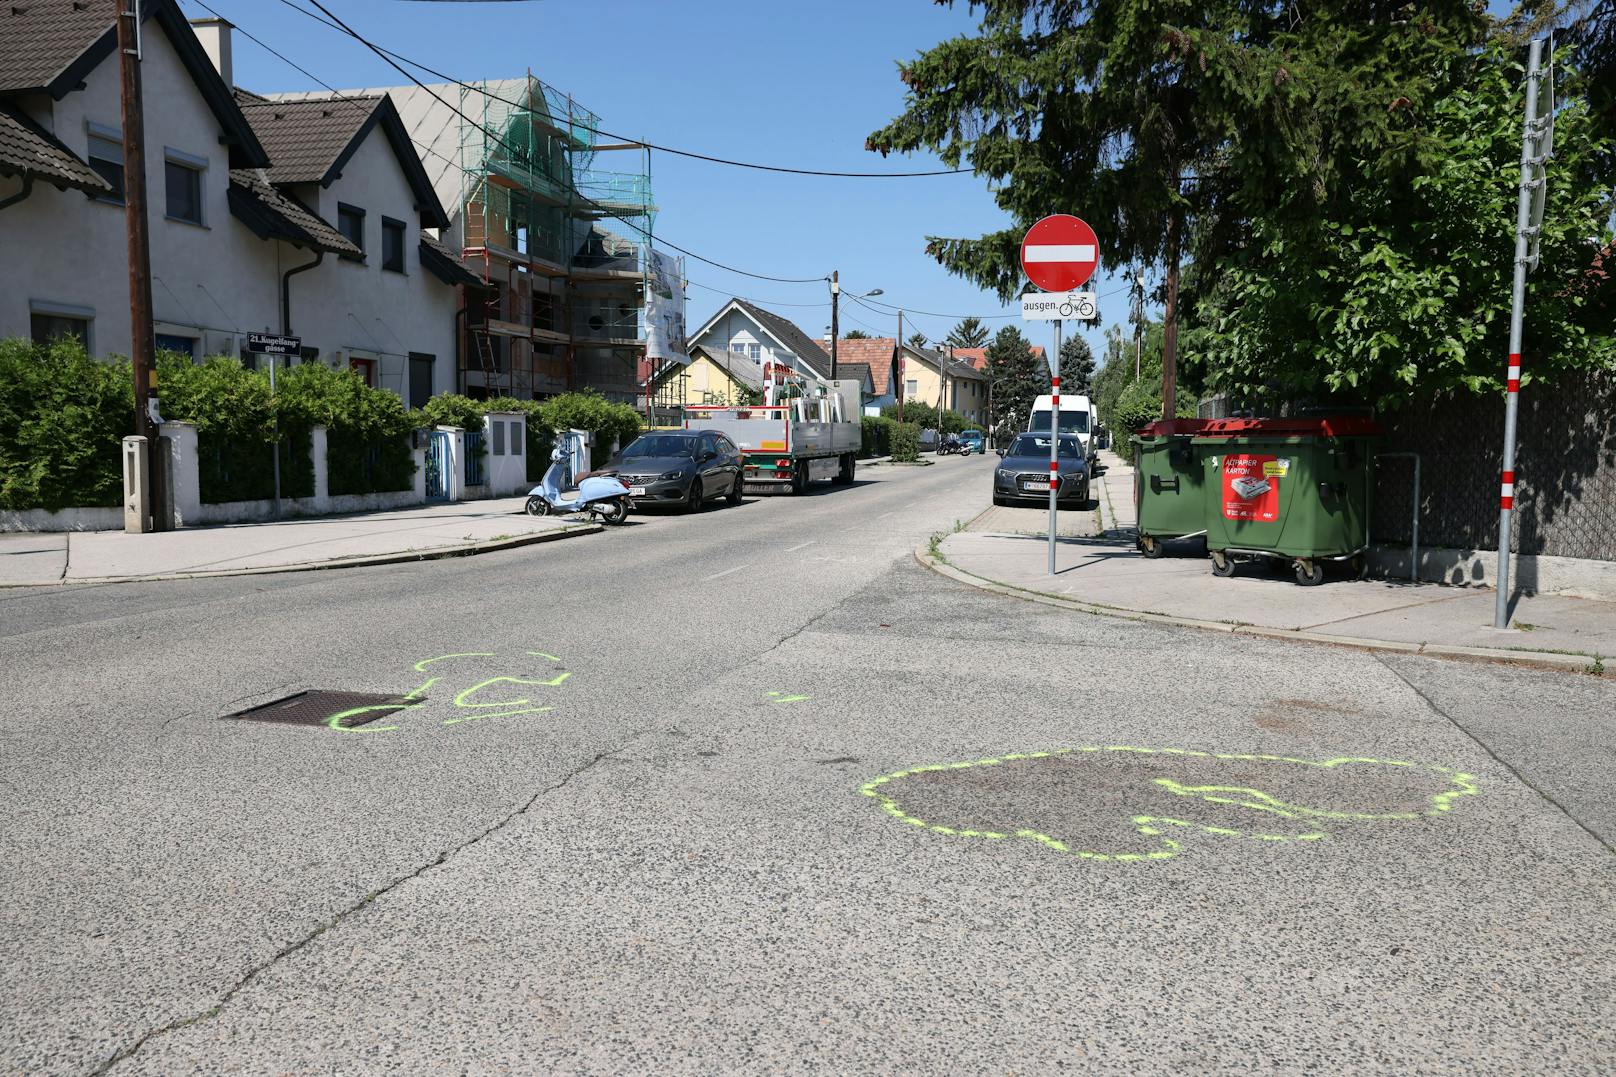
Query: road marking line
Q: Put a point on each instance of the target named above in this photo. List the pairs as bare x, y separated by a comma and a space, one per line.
804, 546
726, 572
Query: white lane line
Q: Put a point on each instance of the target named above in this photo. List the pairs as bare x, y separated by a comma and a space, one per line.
804, 546
726, 572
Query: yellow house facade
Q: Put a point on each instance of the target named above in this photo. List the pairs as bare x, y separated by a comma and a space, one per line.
924, 374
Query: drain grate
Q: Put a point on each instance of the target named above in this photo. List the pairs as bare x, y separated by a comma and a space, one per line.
316, 706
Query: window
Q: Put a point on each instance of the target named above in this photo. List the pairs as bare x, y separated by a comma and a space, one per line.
741, 348
182, 175
392, 245
756, 352
168, 342
911, 387
106, 157
45, 327
421, 365
351, 223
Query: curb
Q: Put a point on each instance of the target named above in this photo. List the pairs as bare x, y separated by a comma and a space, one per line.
1563, 663
436, 553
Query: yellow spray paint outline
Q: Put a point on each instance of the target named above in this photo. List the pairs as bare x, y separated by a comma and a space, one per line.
524, 705
1166, 848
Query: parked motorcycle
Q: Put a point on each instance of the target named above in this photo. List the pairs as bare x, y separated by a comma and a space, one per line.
953, 446
605, 496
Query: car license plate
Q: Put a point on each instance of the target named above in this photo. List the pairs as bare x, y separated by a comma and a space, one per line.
636, 491
1042, 484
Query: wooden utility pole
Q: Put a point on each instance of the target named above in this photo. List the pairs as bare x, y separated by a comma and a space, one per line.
902, 363
835, 328
1170, 330
142, 344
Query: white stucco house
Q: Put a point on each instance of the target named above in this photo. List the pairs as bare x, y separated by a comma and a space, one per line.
762, 336
305, 218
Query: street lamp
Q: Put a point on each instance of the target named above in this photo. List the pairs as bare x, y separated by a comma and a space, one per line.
835, 308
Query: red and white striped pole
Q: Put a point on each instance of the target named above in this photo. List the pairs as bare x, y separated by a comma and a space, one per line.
1530, 145
1054, 439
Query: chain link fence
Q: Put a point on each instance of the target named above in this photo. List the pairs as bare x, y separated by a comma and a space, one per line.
1565, 471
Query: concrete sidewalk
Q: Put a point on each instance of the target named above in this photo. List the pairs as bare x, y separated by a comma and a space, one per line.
419, 533
1097, 569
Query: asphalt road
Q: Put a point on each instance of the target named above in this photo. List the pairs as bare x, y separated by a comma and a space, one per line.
687, 832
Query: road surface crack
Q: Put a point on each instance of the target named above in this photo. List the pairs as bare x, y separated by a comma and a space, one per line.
1500, 760
359, 906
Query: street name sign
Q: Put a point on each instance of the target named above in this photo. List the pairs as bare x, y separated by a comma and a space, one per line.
265, 344
1058, 306
1060, 253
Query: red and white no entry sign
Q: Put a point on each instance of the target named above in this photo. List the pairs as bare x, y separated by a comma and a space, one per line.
1060, 253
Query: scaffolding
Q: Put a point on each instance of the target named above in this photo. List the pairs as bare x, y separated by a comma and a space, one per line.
558, 240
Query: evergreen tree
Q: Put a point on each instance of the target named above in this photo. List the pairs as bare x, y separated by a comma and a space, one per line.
1016, 377
855, 334
1076, 366
969, 333
917, 340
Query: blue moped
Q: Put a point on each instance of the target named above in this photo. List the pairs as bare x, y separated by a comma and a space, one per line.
605, 496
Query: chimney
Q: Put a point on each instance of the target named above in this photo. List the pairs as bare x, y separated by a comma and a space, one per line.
214, 34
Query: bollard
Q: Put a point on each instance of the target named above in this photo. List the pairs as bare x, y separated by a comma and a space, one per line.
136, 486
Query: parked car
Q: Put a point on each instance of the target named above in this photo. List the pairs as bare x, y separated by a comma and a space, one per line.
975, 440
679, 467
1023, 473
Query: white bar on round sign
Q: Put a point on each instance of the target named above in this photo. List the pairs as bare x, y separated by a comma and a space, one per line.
1059, 252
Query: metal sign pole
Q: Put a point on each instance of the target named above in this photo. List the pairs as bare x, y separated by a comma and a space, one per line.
1054, 439
1523, 230
275, 419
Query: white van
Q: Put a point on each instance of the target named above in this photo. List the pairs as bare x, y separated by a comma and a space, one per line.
1077, 416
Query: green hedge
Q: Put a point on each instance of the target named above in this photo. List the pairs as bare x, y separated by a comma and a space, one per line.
367, 430
875, 436
235, 429
63, 418
905, 442
925, 417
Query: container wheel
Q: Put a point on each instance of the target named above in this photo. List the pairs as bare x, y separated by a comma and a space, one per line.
1360, 566
1150, 546
1222, 565
1309, 573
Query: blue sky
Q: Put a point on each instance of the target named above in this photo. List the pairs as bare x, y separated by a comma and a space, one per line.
762, 80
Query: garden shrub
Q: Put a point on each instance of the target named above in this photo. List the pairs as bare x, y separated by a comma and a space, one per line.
905, 442
590, 411
875, 436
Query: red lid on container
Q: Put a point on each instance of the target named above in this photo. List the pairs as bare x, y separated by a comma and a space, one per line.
1327, 426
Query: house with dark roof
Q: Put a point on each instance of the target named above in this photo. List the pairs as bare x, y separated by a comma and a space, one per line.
878, 356
311, 219
746, 329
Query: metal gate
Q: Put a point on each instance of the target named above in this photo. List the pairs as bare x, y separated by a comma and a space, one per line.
437, 467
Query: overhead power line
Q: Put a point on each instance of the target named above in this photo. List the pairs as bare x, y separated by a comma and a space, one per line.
390, 55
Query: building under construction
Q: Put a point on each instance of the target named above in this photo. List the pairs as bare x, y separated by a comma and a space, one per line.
553, 219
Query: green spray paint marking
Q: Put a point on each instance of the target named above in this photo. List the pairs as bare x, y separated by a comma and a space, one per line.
781, 697
1151, 826
503, 708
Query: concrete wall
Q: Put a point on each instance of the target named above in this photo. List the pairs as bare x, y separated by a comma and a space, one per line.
216, 281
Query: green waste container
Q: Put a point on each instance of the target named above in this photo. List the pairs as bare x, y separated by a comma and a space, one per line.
1297, 490
1169, 499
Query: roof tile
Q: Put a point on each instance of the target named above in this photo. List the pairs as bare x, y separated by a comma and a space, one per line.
27, 149
40, 38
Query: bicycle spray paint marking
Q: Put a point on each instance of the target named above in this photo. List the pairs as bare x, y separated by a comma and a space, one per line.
468, 708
